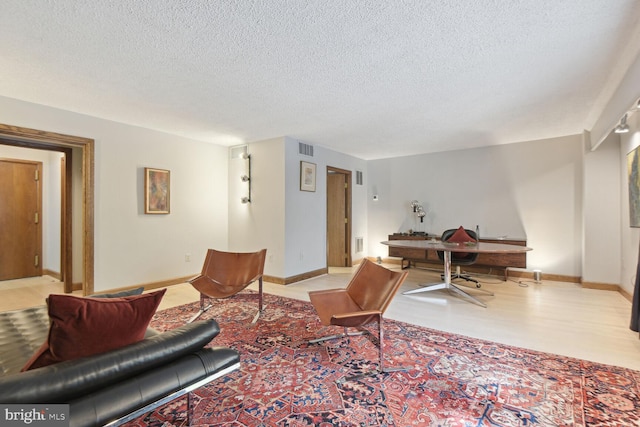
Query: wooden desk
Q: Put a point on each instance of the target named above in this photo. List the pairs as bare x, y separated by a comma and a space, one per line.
500, 260
437, 245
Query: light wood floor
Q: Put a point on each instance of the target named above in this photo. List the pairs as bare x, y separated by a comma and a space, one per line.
553, 317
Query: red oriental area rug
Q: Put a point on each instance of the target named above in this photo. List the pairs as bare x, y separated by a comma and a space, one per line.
452, 380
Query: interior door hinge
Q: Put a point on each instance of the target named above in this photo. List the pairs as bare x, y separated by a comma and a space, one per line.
37, 261
37, 217
37, 175
346, 185
346, 220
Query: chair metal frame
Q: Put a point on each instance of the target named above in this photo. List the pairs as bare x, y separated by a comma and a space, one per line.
172, 396
225, 274
355, 309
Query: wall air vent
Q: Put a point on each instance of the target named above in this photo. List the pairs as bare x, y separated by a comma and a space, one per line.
359, 244
237, 151
359, 177
305, 149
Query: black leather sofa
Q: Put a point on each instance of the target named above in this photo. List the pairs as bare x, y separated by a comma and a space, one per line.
113, 387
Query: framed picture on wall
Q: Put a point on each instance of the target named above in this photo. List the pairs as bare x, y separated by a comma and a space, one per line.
157, 190
634, 187
307, 176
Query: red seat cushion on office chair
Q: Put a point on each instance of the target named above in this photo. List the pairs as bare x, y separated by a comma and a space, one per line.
460, 236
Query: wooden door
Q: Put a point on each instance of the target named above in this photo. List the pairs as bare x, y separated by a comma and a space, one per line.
338, 218
20, 219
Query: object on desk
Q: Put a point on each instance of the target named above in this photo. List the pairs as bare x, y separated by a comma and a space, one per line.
460, 236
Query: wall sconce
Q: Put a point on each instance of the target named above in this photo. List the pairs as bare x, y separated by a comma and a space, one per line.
247, 177
414, 205
622, 127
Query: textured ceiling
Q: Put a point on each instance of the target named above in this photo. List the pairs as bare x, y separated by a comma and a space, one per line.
368, 78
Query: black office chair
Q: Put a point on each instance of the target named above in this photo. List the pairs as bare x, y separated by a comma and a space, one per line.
460, 258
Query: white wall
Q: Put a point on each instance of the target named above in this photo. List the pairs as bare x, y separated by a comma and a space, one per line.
602, 206
629, 236
290, 223
529, 190
306, 212
261, 223
130, 247
623, 98
52, 213
51, 204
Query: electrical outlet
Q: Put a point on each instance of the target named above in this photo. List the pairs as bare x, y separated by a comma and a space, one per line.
187, 257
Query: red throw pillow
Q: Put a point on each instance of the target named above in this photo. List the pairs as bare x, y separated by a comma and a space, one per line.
460, 236
86, 326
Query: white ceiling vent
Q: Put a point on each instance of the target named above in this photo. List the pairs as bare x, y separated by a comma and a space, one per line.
237, 151
305, 149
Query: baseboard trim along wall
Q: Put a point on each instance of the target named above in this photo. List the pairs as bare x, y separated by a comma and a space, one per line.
608, 287
178, 280
509, 273
151, 285
58, 276
505, 275
296, 278
55, 274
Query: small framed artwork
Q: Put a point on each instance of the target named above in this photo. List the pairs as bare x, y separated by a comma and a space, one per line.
307, 176
157, 190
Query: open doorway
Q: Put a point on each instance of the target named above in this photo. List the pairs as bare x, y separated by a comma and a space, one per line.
338, 217
43, 140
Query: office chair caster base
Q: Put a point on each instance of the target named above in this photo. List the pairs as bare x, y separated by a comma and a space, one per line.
476, 288
469, 297
464, 277
450, 287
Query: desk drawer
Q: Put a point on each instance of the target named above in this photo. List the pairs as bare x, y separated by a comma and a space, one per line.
518, 260
409, 253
